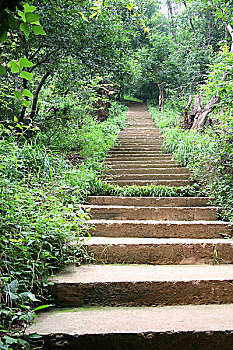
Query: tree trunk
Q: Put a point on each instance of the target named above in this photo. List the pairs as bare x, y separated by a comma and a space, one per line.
170, 13
230, 30
36, 94
22, 115
201, 116
198, 116
186, 116
161, 96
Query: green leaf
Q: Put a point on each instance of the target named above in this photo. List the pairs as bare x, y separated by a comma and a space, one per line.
24, 62
38, 30
32, 17
130, 6
42, 307
26, 75
2, 70
94, 14
19, 126
22, 15
12, 21
15, 119
25, 28
17, 94
83, 17
10, 340
14, 66
25, 103
13, 286
28, 295
3, 37
27, 93
29, 8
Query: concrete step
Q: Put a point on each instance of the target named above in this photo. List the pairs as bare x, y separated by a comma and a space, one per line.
175, 183
121, 148
161, 228
134, 152
202, 327
151, 201
154, 176
138, 328
147, 171
139, 165
137, 139
140, 134
111, 212
140, 158
159, 251
142, 285
139, 144
141, 155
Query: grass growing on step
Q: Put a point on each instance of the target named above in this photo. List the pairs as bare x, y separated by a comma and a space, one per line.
209, 155
102, 188
131, 98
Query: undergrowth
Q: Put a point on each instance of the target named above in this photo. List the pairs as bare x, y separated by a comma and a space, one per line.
209, 155
41, 215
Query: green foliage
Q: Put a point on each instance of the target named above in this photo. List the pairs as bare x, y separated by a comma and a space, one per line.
208, 155
42, 219
221, 67
101, 188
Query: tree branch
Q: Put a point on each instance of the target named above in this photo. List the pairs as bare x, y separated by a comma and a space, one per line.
230, 30
42, 61
36, 94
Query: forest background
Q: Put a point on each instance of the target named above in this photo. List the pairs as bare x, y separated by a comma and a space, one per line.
66, 68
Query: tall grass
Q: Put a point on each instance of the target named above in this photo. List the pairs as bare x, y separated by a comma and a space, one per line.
41, 213
209, 155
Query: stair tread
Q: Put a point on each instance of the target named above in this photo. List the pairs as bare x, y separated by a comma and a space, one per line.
145, 207
152, 241
142, 273
166, 222
104, 320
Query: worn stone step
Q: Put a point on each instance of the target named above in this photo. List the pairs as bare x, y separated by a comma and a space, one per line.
161, 228
137, 139
175, 183
202, 327
139, 165
159, 251
143, 128
135, 143
135, 155
139, 157
151, 201
147, 127
119, 148
111, 212
141, 141
140, 134
142, 285
153, 176
141, 137
134, 152
146, 171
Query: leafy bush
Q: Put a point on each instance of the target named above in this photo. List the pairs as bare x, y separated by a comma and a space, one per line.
42, 218
207, 154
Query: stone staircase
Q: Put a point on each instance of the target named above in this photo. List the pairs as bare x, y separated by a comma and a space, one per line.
156, 281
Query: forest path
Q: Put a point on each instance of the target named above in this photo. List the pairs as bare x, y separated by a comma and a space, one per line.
154, 282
